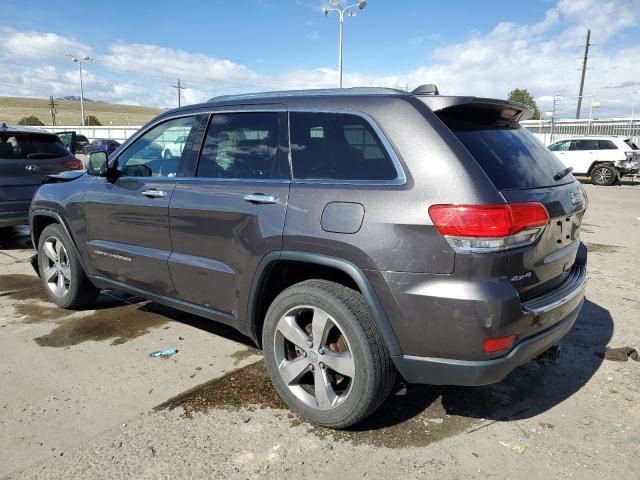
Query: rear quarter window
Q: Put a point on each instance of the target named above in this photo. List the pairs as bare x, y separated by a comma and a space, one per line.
337, 146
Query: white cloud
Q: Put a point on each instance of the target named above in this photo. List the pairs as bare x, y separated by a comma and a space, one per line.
542, 56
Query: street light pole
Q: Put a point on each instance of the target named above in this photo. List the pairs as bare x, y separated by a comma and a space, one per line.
336, 6
79, 60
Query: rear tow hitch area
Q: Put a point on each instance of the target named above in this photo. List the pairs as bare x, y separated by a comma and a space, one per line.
550, 356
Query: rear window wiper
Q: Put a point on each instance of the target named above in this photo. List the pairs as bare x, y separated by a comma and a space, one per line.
563, 173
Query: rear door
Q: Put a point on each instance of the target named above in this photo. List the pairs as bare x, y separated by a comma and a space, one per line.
584, 153
26, 158
127, 218
523, 170
231, 213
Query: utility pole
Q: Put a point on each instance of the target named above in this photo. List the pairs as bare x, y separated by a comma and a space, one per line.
52, 110
178, 87
553, 118
584, 71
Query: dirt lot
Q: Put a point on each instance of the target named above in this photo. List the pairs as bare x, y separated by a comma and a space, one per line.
80, 396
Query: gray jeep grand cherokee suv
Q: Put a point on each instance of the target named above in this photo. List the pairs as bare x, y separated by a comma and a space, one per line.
353, 234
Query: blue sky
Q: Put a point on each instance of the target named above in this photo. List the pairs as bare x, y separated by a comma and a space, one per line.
467, 47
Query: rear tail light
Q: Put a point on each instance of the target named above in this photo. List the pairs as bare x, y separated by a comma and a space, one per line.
489, 228
493, 345
631, 155
72, 164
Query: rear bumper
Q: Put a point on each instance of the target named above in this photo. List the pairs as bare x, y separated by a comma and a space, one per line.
441, 324
444, 371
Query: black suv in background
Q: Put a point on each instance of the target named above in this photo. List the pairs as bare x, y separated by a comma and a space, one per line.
353, 234
27, 156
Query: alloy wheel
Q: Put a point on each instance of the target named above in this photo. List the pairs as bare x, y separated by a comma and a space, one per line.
56, 271
603, 175
313, 357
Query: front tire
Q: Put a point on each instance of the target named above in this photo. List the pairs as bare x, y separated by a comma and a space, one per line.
325, 355
64, 281
604, 174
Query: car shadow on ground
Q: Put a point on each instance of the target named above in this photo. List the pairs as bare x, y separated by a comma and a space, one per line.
528, 391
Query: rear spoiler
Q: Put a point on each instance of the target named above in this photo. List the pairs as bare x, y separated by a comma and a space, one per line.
515, 111
473, 113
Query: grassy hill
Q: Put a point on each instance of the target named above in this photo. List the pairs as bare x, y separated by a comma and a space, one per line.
12, 109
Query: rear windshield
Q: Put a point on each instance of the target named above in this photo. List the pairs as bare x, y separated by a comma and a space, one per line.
513, 158
31, 146
631, 144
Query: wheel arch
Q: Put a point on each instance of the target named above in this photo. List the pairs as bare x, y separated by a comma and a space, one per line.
257, 304
599, 162
39, 219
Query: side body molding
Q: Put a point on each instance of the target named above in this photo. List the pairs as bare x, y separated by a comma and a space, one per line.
349, 268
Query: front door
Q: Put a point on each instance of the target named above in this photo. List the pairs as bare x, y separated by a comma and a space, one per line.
127, 218
231, 213
583, 154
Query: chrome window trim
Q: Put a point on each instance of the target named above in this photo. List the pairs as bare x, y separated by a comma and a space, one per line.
236, 180
400, 179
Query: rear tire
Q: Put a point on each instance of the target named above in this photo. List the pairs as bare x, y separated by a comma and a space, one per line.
62, 276
604, 174
325, 355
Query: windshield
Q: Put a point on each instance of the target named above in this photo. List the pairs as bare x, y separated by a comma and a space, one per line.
513, 158
31, 146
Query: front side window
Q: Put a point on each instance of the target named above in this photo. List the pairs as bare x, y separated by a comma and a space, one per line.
152, 155
562, 146
241, 146
337, 146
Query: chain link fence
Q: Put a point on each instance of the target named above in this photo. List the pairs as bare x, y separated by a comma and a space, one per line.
550, 131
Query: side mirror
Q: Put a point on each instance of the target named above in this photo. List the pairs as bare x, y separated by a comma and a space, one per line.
97, 164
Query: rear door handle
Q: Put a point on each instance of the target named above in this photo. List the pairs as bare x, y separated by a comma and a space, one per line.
261, 198
153, 193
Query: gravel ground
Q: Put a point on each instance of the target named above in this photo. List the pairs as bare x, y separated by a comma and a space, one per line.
579, 418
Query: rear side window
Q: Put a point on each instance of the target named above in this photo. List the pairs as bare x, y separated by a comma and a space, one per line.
513, 158
241, 146
337, 146
584, 145
607, 145
31, 146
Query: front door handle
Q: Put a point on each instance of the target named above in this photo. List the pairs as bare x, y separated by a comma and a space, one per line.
260, 198
153, 193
